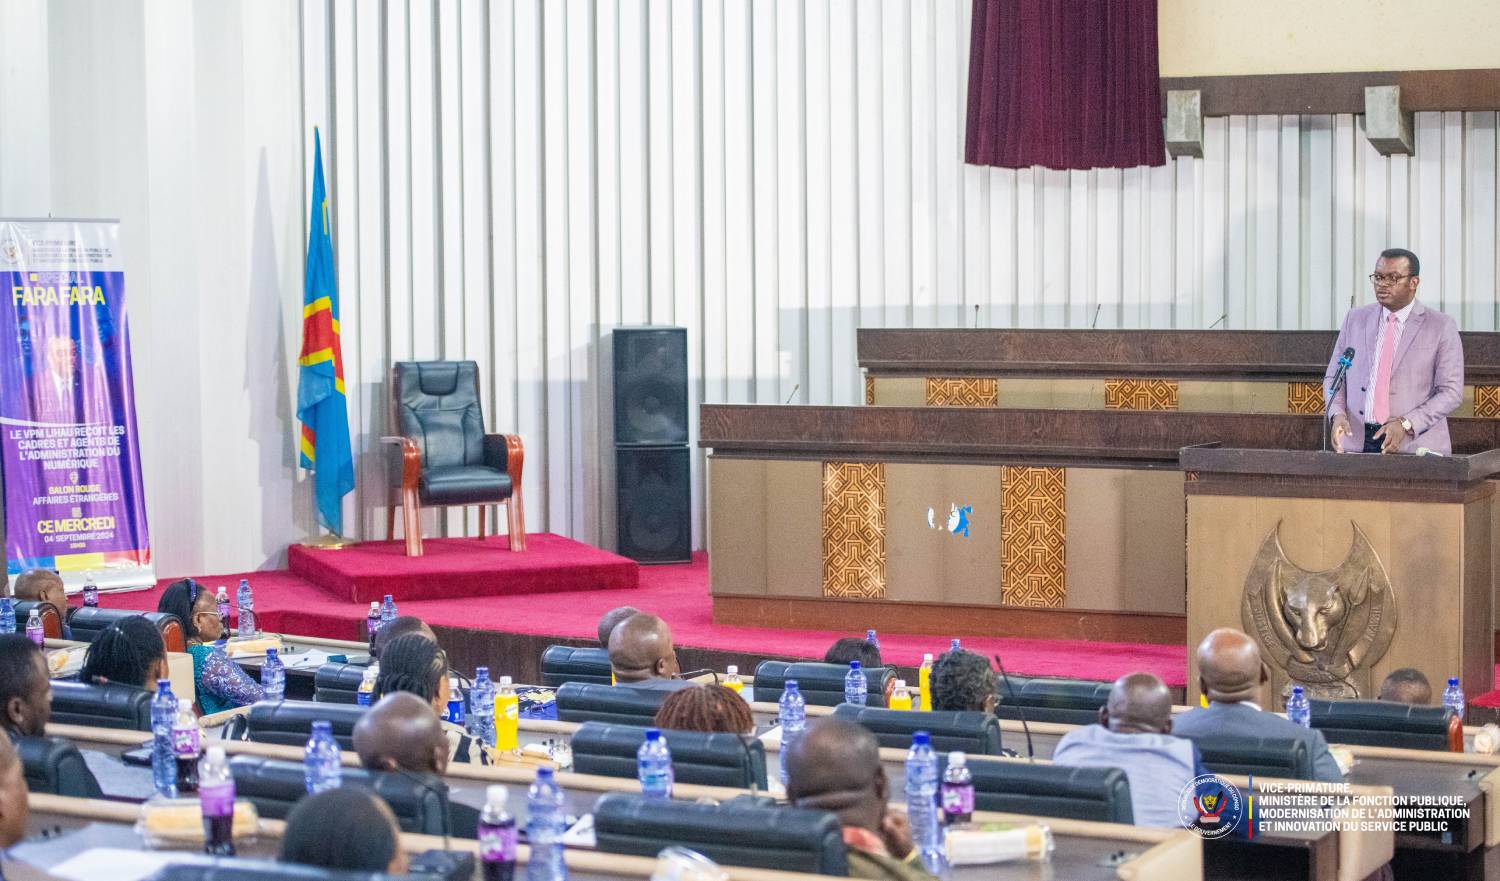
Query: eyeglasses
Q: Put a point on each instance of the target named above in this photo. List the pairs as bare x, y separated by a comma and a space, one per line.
1377, 279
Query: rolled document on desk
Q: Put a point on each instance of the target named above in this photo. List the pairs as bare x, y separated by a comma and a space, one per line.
982, 845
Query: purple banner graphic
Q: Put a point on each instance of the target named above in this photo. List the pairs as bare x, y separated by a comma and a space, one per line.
72, 473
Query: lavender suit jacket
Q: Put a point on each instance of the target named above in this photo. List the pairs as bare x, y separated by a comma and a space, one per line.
1427, 381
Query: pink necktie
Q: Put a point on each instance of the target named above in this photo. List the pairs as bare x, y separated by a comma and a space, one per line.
1382, 407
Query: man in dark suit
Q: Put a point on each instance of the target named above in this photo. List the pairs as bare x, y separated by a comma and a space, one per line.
1232, 676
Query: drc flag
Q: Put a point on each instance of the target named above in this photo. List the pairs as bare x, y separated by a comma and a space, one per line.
321, 404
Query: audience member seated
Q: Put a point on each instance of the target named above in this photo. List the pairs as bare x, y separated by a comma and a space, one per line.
221, 683
345, 828
641, 654
1134, 735
612, 619
416, 664
708, 708
400, 732
400, 626
128, 652
835, 767
964, 681
1232, 675
853, 648
14, 800
25, 688
1407, 686
44, 586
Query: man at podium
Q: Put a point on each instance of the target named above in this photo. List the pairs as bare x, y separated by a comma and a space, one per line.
1404, 371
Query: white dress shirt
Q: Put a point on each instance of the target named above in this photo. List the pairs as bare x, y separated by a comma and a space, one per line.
1385, 317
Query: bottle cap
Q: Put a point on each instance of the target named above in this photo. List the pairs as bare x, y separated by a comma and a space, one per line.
495, 796
732, 670
163, 685
388, 598
481, 672
374, 606
920, 738
505, 680
543, 772
38, 615
900, 683
853, 665
1452, 680
653, 733
322, 725
956, 759
790, 685
927, 657
1296, 689
216, 753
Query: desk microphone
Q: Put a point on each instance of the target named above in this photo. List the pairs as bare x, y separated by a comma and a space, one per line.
1218, 321
795, 388
1346, 360
1030, 752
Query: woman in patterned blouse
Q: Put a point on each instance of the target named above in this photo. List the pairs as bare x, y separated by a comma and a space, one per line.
220, 682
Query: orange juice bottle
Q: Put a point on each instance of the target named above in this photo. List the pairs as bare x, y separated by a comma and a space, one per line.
924, 682
507, 717
901, 697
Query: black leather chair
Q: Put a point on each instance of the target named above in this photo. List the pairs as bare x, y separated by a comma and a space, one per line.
734, 834
54, 766
336, 683
237, 869
1262, 756
87, 622
972, 732
716, 759
1100, 794
821, 684
101, 706
565, 663
1069, 701
289, 723
1385, 723
420, 802
441, 455
51, 617
614, 704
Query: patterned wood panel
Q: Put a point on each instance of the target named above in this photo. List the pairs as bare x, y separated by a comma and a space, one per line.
1033, 537
963, 392
1140, 394
854, 530
869, 389
1487, 401
1304, 397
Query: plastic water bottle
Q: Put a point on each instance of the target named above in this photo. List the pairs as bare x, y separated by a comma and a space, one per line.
545, 822
1297, 709
792, 714
653, 763
273, 676
91, 594
1453, 697
387, 610
322, 769
924, 682
507, 717
7, 615
185, 745
921, 801
34, 628
856, 686
482, 696
900, 697
372, 621
954, 646
871, 638
958, 790
497, 837
216, 799
221, 600
365, 695
245, 600
163, 760
455, 702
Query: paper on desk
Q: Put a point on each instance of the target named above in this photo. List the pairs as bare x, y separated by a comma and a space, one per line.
308, 660
65, 662
581, 834
114, 864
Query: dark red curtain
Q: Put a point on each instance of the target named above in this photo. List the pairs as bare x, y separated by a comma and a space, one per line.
1065, 84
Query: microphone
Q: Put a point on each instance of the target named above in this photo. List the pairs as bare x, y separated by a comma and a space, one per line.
1220, 319
1030, 751
1346, 360
1095, 323
976, 314
794, 393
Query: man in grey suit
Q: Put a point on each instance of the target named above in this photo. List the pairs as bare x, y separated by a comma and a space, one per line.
1408, 368
1231, 674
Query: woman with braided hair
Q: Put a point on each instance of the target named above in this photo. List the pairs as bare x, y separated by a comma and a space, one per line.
129, 652
414, 662
706, 708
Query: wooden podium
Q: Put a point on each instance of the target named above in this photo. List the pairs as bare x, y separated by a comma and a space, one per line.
1344, 566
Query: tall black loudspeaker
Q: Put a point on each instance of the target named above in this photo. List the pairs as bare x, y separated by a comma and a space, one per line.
653, 511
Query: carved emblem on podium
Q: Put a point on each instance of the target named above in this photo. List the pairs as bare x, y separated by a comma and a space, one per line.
1321, 630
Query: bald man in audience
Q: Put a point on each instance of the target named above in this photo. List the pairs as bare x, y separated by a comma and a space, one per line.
1232, 676
401, 732
1134, 735
1407, 686
835, 766
612, 619
44, 586
642, 656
